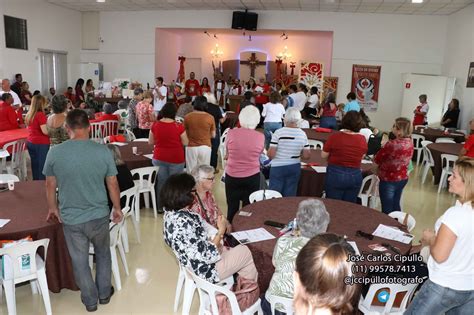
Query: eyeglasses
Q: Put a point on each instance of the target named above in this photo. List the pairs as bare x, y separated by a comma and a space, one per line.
210, 178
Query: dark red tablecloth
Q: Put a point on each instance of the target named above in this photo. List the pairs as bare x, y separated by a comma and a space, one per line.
136, 161
12, 135
312, 183
431, 134
321, 136
346, 219
27, 209
442, 148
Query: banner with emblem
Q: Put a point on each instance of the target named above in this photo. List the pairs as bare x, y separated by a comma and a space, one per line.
330, 85
311, 74
365, 84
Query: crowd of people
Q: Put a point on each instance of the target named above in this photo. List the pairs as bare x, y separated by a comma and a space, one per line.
184, 126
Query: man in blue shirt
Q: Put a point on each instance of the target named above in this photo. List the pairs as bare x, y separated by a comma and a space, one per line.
352, 104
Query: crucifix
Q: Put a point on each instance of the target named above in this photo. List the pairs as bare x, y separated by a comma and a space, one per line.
253, 63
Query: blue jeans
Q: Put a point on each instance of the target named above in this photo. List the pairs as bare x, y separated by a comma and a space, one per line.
342, 183
215, 142
269, 128
434, 299
284, 179
165, 171
328, 122
390, 195
78, 237
38, 153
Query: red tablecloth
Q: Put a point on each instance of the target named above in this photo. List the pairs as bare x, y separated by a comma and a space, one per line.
12, 135
321, 136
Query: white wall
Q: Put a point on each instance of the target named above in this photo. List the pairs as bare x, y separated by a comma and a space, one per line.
459, 53
49, 27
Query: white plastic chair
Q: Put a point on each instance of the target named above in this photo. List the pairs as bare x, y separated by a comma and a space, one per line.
115, 230
5, 178
315, 144
222, 149
445, 140
147, 177
110, 128
17, 163
447, 162
366, 189
417, 146
207, 293
96, 132
281, 301
140, 140
264, 194
427, 161
401, 217
36, 273
129, 212
365, 304
129, 135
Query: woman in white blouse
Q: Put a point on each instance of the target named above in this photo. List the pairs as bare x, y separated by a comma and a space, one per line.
450, 288
273, 112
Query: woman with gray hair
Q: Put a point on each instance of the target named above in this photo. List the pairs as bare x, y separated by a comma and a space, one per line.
242, 172
56, 122
124, 177
204, 203
287, 146
312, 219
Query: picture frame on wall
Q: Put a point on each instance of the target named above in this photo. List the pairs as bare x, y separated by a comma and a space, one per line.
470, 76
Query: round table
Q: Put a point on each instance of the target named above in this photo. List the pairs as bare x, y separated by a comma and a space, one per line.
321, 136
431, 134
12, 135
312, 183
442, 148
27, 209
139, 160
346, 219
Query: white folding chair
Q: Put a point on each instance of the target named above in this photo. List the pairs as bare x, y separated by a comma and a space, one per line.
110, 128
17, 163
207, 293
417, 146
96, 132
222, 149
447, 162
315, 144
5, 178
147, 177
445, 140
427, 161
123, 115
366, 189
365, 304
129, 135
281, 301
404, 218
264, 194
36, 273
129, 213
115, 230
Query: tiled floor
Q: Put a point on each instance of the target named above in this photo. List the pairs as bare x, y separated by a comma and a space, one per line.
150, 288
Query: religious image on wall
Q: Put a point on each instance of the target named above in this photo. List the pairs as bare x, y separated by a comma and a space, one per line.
330, 85
311, 74
365, 84
253, 64
470, 76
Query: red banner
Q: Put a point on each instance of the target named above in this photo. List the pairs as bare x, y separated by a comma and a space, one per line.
365, 84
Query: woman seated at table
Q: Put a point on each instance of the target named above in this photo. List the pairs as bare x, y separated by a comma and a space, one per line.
344, 151
108, 113
321, 267
312, 219
8, 117
450, 287
242, 172
56, 122
185, 232
450, 118
288, 144
468, 147
392, 161
145, 115
124, 176
204, 203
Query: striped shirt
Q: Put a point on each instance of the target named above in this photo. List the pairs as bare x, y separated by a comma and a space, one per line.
288, 143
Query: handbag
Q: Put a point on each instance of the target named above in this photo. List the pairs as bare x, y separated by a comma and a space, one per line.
247, 293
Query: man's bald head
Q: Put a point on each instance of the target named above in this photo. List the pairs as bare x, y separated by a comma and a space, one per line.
5, 85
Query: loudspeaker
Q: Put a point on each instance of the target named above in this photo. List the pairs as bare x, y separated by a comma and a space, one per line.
251, 20
238, 20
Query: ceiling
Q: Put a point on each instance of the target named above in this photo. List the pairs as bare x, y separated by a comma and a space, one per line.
428, 7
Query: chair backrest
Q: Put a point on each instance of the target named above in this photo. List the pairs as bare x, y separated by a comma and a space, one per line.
424, 143
96, 132
129, 196
419, 127
210, 290
281, 301
448, 160
18, 253
115, 232
110, 127
367, 184
129, 135
146, 174
427, 156
404, 218
315, 144
17, 149
417, 140
264, 194
445, 140
393, 291
5, 178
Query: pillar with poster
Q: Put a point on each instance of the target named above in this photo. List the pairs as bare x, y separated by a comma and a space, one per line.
365, 84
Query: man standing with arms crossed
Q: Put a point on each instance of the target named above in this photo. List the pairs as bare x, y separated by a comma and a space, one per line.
78, 168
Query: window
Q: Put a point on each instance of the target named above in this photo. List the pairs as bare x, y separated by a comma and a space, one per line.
15, 33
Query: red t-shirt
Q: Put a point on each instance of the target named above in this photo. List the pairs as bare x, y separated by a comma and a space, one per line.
260, 98
393, 159
345, 149
8, 117
35, 135
168, 146
191, 87
469, 146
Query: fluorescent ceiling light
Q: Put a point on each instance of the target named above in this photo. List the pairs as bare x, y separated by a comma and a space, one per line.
416, 1
101, 1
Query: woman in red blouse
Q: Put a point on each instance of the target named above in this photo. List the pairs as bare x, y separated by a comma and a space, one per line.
8, 117
328, 112
38, 139
393, 160
145, 115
